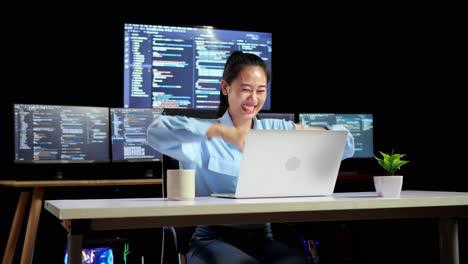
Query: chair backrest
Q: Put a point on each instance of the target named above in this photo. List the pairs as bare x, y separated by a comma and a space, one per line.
182, 237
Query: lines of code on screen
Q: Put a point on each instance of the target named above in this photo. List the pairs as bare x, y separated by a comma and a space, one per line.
128, 130
52, 133
181, 67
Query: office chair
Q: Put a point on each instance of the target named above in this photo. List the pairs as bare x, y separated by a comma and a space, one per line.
283, 232
181, 237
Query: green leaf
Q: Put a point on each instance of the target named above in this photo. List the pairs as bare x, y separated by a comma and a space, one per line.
385, 156
401, 163
380, 161
391, 163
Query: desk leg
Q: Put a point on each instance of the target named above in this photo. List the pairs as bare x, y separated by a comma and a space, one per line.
448, 241
16, 228
33, 223
75, 244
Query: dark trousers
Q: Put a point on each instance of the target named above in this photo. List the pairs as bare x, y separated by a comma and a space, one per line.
241, 246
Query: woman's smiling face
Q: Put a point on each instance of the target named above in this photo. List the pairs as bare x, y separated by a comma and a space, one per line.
247, 93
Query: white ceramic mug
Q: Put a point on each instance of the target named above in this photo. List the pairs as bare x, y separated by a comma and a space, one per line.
181, 184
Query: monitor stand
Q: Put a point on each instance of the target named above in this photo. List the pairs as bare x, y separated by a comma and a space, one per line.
149, 173
58, 175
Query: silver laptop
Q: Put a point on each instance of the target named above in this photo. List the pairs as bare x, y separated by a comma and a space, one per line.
288, 163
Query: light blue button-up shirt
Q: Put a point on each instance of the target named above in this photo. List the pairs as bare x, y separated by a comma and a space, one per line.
215, 161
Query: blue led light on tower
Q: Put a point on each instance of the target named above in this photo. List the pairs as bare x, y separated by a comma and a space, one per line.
105, 252
100, 255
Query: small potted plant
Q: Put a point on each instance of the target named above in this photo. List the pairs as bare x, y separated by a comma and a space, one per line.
391, 184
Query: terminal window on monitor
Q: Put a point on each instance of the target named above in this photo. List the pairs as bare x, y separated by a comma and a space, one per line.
128, 129
181, 67
61, 134
360, 126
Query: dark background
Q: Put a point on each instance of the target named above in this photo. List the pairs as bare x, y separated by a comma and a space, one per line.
403, 64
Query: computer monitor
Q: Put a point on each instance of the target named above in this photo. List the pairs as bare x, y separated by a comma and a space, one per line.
128, 129
58, 135
181, 67
285, 116
360, 126
61, 134
129, 143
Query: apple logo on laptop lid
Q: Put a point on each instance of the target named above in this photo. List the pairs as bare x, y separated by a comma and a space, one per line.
293, 164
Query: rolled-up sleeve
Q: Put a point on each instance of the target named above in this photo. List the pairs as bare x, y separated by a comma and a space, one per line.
178, 137
349, 148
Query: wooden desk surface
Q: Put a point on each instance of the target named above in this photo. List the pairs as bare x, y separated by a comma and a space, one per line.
71, 183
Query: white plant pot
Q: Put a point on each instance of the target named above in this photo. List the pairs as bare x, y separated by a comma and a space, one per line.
388, 186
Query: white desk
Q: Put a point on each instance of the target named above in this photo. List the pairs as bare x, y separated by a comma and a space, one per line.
107, 214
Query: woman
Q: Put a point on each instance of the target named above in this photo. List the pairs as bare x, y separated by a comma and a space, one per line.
214, 149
